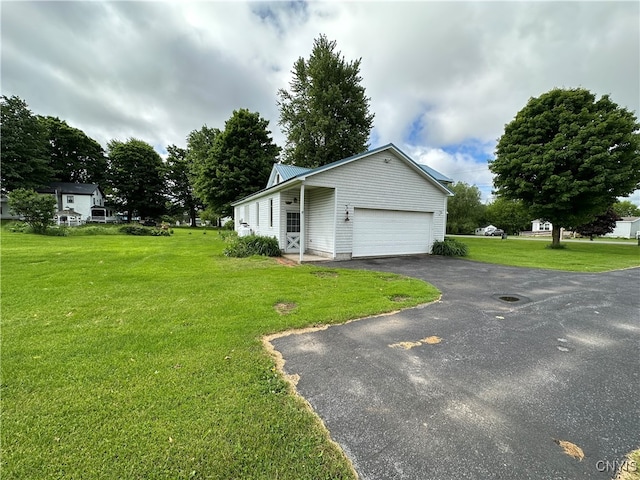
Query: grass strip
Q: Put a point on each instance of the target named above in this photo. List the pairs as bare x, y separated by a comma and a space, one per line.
575, 256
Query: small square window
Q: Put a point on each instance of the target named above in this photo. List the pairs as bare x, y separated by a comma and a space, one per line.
69, 198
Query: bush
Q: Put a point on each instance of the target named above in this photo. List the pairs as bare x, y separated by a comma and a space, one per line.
450, 248
142, 231
57, 231
37, 210
19, 227
229, 225
92, 229
241, 247
228, 235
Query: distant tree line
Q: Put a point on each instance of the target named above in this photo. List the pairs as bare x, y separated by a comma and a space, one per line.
466, 212
565, 158
325, 116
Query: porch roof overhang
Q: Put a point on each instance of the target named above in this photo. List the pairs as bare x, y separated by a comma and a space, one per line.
293, 182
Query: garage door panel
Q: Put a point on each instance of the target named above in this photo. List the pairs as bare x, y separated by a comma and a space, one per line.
390, 232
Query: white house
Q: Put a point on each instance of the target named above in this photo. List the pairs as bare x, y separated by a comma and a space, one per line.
541, 226
628, 227
78, 203
378, 203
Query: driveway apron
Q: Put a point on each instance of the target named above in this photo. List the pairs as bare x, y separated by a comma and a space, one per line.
487, 383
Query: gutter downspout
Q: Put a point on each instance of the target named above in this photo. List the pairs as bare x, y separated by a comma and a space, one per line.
302, 223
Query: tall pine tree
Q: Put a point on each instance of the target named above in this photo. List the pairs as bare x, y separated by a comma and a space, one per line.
325, 115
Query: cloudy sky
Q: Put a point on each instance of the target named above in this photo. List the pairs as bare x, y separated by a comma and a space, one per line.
443, 77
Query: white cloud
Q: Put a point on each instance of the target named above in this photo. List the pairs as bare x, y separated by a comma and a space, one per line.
460, 167
442, 76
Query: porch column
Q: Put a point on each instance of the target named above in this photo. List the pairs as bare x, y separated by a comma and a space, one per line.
302, 222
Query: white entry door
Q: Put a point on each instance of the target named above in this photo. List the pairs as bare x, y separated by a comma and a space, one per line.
293, 232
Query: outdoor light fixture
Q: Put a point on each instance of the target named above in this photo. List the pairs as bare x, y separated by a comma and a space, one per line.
295, 199
346, 213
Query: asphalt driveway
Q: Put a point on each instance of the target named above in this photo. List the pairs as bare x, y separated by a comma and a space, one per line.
557, 360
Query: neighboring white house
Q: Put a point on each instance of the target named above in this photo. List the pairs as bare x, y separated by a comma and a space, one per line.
77, 203
378, 203
628, 227
541, 226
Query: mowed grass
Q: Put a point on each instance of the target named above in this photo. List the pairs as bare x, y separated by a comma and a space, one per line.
140, 358
576, 256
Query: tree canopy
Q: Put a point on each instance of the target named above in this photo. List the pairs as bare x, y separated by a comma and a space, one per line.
237, 164
626, 208
567, 156
509, 215
325, 114
180, 182
23, 147
137, 178
465, 210
601, 225
72, 155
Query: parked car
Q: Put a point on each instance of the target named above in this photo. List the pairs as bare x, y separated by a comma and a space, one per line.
497, 232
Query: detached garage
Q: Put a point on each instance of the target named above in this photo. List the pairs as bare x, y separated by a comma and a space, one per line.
379, 203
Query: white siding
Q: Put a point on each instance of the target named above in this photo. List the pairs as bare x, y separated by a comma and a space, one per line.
625, 229
81, 204
380, 181
320, 220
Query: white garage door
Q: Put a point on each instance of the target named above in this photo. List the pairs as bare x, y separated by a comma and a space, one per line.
390, 232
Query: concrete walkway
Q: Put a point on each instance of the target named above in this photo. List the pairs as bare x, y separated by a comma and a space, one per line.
523, 360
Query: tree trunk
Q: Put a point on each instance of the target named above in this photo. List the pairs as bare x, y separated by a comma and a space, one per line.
192, 216
555, 236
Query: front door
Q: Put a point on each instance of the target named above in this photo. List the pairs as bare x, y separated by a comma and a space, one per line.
293, 232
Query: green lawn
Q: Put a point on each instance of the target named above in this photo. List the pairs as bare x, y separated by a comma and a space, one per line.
576, 256
140, 357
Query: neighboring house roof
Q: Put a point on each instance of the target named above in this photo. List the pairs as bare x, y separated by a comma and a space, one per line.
70, 188
291, 173
629, 219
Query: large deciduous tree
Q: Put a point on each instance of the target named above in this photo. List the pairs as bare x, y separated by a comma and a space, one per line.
325, 114
180, 183
238, 163
73, 156
567, 156
23, 147
137, 178
465, 209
